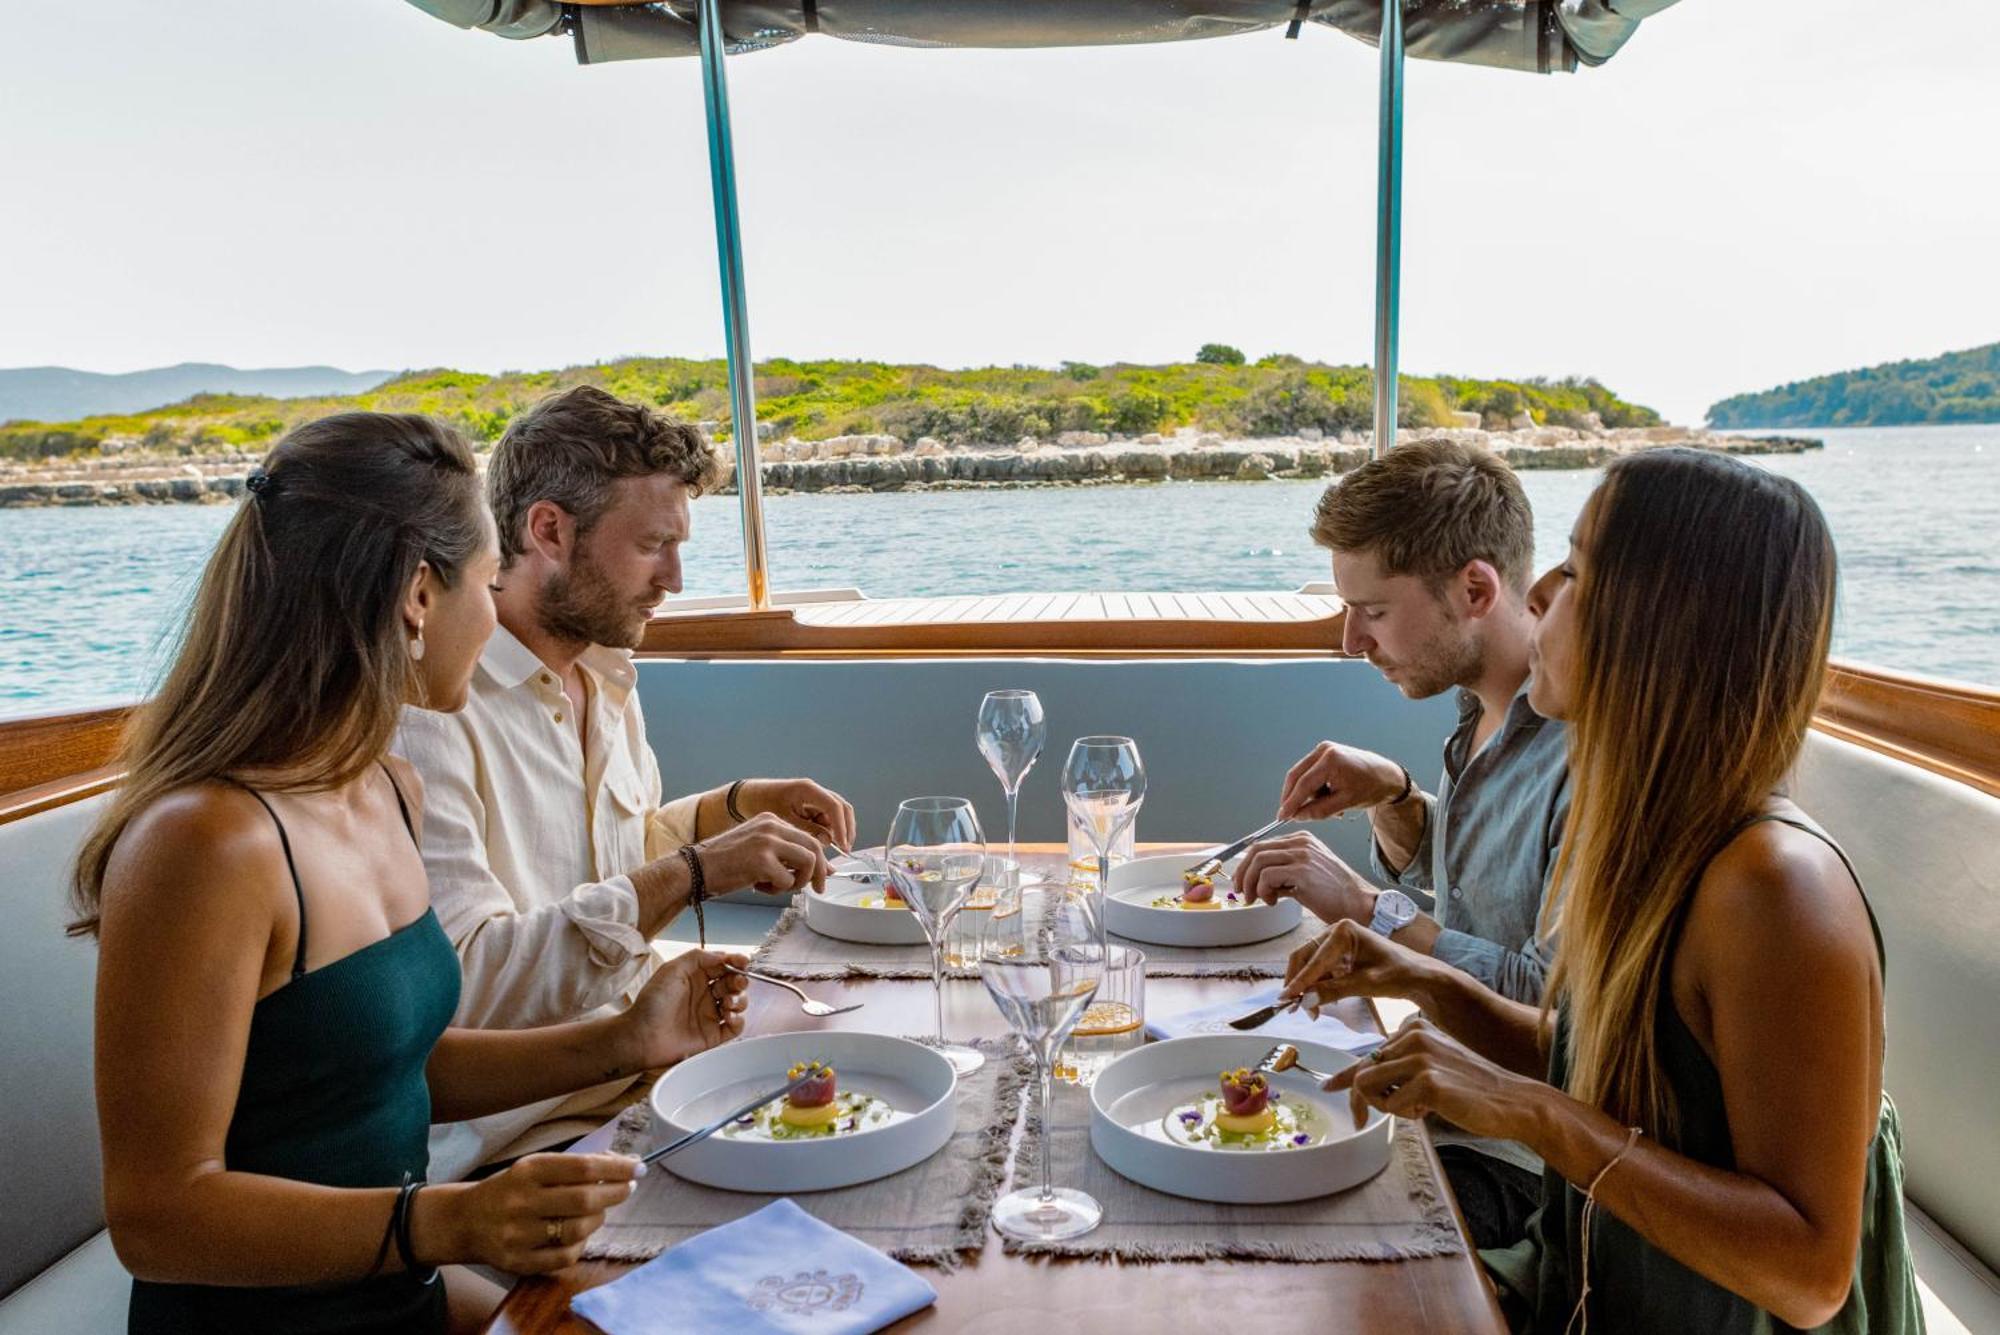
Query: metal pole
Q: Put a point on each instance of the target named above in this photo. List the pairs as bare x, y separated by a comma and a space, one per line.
1388, 225
735, 306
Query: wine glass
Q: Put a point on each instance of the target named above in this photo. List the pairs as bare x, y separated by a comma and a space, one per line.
1103, 783
935, 856
1042, 958
1011, 735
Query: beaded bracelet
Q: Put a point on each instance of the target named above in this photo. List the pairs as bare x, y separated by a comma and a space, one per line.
697, 891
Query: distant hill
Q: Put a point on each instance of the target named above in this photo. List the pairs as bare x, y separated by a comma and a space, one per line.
1957, 387
1274, 396
60, 394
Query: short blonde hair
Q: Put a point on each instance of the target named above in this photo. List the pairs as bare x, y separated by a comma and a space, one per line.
1427, 508
572, 446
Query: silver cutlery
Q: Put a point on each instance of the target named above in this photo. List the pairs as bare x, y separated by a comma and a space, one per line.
1264, 1013
1285, 1057
810, 1005
1209, 866
703, 1133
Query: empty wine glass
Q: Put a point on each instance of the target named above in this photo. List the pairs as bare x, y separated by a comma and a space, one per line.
1011, 735
1103, 783
1042, 957
935, 856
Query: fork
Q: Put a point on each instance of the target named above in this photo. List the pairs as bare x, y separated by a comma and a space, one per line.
1213, 863
811, 1006
1285, 1057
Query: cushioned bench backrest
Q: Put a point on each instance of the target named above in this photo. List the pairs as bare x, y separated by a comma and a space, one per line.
53, 1196
1217, 736
1928, 850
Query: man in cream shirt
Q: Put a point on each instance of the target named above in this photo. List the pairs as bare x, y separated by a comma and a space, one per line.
553, 862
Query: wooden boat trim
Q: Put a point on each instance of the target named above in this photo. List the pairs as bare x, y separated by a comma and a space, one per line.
50, 760
1949, 728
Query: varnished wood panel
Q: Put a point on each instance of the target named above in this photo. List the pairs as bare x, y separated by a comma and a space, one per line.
42, 747
1948, 728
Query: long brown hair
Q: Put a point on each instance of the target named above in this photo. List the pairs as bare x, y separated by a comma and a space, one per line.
1703, 616
295, 661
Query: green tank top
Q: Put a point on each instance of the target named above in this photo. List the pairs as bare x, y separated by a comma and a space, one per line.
332, 1093
1636, 1289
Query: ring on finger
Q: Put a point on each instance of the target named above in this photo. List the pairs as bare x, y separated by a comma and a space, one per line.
553, 1228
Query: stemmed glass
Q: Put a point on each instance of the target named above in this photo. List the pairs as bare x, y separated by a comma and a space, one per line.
1042, 958
936, 855
1103, 783
1011, 735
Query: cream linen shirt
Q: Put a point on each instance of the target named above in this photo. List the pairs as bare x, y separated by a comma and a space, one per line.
527, 836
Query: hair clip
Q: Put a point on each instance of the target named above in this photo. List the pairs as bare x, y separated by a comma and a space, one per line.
258, 482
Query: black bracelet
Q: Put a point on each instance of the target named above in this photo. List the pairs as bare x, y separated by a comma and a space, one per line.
697, 891
388, 1232
403, 1246
1409, 786
729, 801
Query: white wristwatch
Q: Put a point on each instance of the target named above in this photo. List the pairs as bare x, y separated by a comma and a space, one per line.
1393, 910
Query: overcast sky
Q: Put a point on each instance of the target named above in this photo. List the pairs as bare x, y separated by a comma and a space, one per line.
1753, 191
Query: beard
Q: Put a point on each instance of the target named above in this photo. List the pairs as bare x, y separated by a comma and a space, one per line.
1440, 663
581, 603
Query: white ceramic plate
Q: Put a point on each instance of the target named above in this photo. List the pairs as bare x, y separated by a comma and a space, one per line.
916, 1083
1135, 1094
842, 913
1129, 911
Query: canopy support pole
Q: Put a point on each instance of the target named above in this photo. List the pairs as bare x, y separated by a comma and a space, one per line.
735, 306
1388, 225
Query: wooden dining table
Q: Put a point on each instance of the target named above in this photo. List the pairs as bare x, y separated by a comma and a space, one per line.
995, 1293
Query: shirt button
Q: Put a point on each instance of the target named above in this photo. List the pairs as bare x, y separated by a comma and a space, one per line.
547, 680
559, 720
1457, 893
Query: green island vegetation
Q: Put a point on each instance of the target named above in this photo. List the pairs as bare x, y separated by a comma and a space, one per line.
1957, 387
1276, 395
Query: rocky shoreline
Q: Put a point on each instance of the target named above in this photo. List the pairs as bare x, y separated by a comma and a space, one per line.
847, 464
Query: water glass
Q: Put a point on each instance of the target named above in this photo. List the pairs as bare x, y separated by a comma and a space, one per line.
1042, 960
961, 939
936, 855
1115, 1021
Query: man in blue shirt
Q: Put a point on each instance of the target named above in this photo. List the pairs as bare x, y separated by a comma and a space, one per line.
1432, 549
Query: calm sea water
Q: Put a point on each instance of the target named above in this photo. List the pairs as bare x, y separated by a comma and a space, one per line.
93, 597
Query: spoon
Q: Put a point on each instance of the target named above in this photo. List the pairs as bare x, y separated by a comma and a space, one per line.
812, 1007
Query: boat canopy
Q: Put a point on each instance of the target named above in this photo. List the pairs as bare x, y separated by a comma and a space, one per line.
1538, 36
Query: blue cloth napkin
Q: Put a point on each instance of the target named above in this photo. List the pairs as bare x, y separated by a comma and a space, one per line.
778, 1271
1289, 1025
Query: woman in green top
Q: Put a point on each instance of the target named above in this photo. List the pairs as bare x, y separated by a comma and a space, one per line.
1707, 1095
273, 992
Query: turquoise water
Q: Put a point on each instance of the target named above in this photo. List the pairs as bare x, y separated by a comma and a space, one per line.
92, 596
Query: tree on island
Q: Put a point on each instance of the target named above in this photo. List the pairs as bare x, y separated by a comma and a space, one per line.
1956, 387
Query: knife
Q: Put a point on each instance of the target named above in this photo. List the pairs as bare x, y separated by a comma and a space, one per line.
1214, 863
